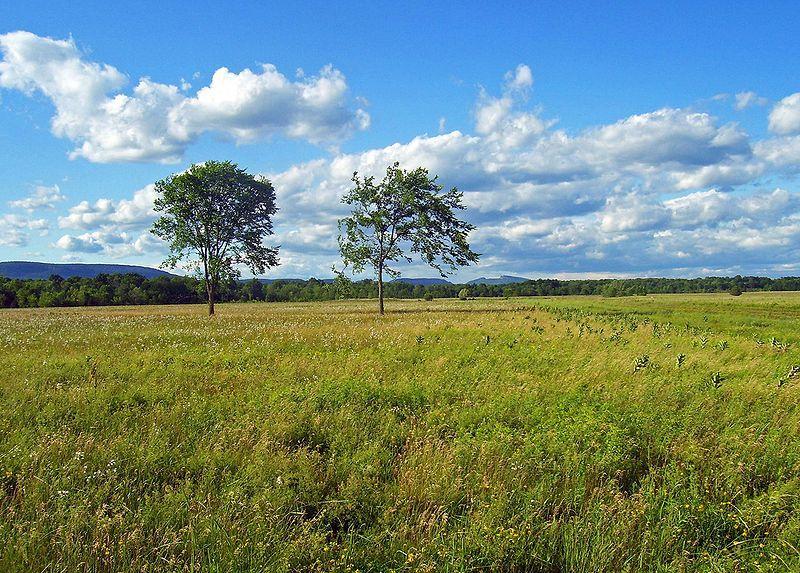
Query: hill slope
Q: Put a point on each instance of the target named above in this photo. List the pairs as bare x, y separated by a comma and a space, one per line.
33, 270
422, 281
501, 280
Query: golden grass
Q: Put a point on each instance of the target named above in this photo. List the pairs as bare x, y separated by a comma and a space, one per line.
504, 435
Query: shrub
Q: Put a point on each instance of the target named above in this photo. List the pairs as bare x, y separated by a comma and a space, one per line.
428, 296
641, 362
463, 294
735, 290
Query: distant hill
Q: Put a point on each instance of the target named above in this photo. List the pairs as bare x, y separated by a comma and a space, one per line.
422, 281
31, 270
501, 280
286, 280
34, 270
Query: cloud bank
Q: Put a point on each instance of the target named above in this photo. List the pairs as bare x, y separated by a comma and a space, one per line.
672, 191
155, 121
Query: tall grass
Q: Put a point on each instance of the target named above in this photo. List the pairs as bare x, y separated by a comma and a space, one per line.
484, 435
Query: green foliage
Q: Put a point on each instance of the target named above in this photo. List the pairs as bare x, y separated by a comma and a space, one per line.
641, 362
445, 437
428, 297
342, 286
735, 290
134, 289
463, 294
406, 213
216, 216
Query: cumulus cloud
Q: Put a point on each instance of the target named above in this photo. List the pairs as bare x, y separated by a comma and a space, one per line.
780, 152
665, 138
14, 229
521, 79
13, 237
124, 213
650, 193
744, 100
111, 243
42, 197
784, 119
156, 122
248, 106
113, 228
500, 121
83, 244
631, 213
670, 191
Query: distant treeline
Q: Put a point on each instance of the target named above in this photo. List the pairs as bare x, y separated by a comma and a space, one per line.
133, 289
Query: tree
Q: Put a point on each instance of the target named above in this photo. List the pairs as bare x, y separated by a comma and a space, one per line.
255, 290
342, 285
463, 294
216, 216
405, 213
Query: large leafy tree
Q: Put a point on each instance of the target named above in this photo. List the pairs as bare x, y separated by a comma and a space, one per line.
406, 213
216, 216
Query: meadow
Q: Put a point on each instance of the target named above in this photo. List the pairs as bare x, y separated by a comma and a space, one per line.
572, 434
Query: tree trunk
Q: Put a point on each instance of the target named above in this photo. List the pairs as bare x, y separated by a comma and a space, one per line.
380, 289
210, 291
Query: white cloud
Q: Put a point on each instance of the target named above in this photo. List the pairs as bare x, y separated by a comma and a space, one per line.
156, 122
672, 191
631, 213
499, 120
248, 106
125, 213
784, 119
12, 237
520, 79
729, 172
42, 197
780, 152
113, 228
19, 222
665, 138
744, 100
516, 229
595, 200
111, 243
82, 244
14, 229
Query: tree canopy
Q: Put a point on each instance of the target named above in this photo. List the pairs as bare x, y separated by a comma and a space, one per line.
406, 213
127, 289
216, 216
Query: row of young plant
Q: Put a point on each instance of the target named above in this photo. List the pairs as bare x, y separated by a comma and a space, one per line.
622, 323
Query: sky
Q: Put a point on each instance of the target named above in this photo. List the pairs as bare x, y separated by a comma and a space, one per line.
590, 139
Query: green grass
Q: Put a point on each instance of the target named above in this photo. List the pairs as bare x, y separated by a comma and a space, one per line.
547, 435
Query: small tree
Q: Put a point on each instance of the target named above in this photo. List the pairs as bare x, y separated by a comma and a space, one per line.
342, 285
463, 294
405, 213
216, 216
735, 290
255, 290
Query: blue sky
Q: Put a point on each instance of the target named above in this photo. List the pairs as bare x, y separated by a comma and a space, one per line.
617, 139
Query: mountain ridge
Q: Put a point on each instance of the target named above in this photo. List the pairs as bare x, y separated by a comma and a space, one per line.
24, 270
501, 280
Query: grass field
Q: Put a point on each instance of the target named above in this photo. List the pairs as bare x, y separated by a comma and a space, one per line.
657, 433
